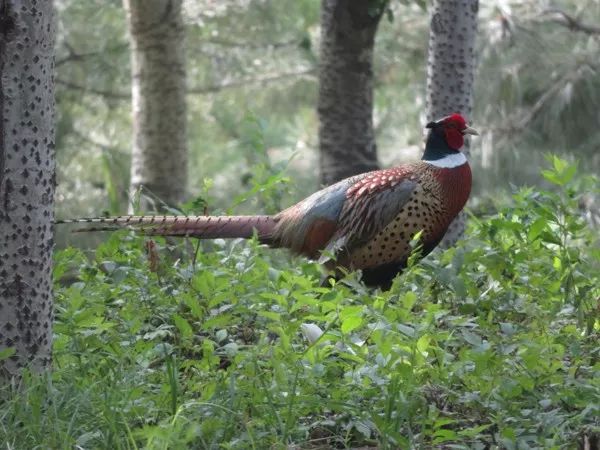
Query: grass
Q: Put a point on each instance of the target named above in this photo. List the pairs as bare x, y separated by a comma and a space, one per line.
492, 344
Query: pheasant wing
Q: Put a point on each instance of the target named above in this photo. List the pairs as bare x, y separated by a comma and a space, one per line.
308, 226
371, 203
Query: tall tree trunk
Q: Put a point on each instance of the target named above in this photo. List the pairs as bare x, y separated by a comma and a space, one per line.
345, 106
158, 80
450, 72
26, 183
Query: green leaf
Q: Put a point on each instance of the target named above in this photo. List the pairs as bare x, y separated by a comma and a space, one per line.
551, 176
405, 329
444, 436
474, 431
191, 301
568, 174
272, 315
423, 343
183, 326
351, 323
363, 428
471, 338
408, 300
354, 310
562, 172
536, 228
559, 164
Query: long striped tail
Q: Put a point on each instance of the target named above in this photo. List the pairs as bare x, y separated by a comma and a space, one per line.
202, 227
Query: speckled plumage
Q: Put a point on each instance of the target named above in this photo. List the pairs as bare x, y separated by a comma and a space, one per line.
363, 222
436, 197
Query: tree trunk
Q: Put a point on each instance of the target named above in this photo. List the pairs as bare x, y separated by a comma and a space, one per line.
450, 72
345, 105
159, 156
26, 183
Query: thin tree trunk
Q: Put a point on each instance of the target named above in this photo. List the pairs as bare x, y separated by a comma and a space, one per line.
450, 72
345, 105
26, 183
158, 79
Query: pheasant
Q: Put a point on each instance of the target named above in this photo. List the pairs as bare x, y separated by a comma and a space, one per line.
363, 222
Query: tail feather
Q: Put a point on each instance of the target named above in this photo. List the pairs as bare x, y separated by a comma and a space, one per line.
202, 227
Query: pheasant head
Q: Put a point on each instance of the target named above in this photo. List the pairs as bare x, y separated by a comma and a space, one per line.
446, 137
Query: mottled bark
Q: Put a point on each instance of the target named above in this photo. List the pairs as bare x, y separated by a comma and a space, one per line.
26, 182
158, 79
450, 72
345, 105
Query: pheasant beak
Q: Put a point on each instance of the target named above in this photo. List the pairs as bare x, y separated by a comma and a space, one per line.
470, 130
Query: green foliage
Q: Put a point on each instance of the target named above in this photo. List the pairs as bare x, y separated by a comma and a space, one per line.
492, 344
264, 178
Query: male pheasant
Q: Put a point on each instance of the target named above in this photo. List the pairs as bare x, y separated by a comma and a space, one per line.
366, 221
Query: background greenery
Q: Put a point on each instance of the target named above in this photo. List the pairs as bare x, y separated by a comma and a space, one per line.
251, 75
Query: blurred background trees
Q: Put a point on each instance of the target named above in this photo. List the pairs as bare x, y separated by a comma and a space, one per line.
252, 95
159, 153
346, 137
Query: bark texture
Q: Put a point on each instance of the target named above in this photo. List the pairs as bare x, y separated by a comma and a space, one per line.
158, 79
345, 105
26, 182
450, 72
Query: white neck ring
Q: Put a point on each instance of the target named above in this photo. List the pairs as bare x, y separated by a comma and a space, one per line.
449, 161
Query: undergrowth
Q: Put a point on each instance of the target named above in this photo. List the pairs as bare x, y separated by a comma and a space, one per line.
491, 344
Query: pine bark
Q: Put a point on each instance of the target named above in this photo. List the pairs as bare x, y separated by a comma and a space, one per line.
26, 183
450, 72
158, 78
345, 104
